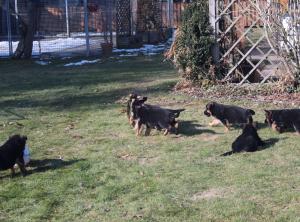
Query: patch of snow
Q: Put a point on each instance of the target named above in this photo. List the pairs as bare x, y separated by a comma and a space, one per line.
82, 34
49, 45
147, 49
42, 63
82, 62
152, 53
129, 55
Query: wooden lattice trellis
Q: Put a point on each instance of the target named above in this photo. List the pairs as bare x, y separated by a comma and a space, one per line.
242, 46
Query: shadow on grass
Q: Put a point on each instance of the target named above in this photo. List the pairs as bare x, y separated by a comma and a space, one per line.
270, 143
260, 125
50, 164
35, 77
191, 128
45, 165
73, 101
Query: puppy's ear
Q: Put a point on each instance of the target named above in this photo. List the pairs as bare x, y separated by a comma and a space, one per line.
132, 96
24, 138
268, 112
144, 98
209, 105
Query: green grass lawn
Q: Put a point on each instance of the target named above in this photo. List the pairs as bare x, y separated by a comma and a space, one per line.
108, 174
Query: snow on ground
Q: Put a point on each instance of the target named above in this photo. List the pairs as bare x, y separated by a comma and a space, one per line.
82, 34
69, 45
145, 50
42, 63
82, 62
49, 45
129, 55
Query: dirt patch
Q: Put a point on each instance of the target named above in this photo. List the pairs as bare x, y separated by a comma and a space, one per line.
210, 194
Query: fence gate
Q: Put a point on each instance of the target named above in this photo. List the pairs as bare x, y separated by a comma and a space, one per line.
242, 47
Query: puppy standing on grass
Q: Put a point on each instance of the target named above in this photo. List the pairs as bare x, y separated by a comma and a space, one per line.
11, 153
129, 111
283, 119
153, 117
228, 114
248, 141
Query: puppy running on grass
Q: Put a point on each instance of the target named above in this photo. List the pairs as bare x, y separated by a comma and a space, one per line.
11, 153
153, 117
228, 114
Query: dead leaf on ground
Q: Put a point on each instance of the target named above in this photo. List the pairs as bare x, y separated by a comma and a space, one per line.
126, 156
70, 126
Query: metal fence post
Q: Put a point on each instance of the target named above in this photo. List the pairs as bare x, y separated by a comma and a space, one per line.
110, 21
67, 18
16, 9
86, 28
213, 22
17, 15
170, 13
8, 23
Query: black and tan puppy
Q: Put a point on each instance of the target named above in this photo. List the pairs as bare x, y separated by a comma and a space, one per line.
11, 153
129, 110
284, 119
228, 114
248, 141
153, 117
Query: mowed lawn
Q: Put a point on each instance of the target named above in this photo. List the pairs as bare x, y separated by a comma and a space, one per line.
88, 165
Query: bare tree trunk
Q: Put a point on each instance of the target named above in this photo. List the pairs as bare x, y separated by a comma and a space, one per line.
27, 28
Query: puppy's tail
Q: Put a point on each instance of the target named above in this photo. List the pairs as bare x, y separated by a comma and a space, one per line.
227, 153
176, 112
251, 112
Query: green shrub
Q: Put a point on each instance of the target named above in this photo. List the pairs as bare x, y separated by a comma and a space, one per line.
191, 51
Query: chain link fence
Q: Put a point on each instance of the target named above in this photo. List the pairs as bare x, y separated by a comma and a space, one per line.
72, 27
63, 27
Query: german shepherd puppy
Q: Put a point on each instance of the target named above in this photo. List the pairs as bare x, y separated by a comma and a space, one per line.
248, 141
228, 114
129, 110
153, 117
281, 120
11, 152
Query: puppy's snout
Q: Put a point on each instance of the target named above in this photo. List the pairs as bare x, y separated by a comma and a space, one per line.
207, 113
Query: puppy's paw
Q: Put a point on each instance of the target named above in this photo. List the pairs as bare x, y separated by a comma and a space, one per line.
215, 122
